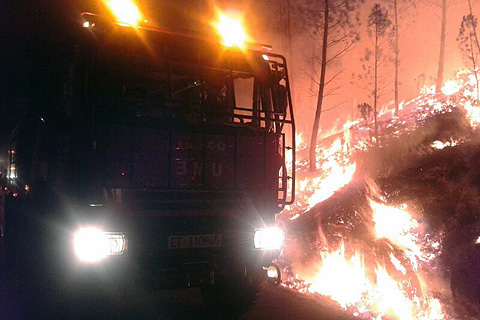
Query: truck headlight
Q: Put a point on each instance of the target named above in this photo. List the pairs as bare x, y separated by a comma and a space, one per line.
270, 238
92, 244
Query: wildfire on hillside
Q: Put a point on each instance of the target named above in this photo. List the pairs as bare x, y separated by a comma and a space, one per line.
377, 258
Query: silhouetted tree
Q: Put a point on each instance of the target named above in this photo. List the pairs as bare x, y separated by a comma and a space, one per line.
339, 35
399, 7
474, 25
468, 43
443, 5
379, 26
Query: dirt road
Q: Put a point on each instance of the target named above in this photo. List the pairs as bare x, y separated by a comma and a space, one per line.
277, 303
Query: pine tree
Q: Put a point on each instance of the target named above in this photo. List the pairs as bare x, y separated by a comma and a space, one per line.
339, 35
468, 43
379, 27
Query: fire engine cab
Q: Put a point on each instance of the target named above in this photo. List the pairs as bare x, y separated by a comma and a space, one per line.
164, 168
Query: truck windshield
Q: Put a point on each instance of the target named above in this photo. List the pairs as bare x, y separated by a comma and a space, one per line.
138, 92
184, 83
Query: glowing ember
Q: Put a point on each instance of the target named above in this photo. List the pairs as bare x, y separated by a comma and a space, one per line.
271, 272
442, 145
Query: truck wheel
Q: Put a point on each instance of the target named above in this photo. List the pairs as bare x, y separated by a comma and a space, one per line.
230, 297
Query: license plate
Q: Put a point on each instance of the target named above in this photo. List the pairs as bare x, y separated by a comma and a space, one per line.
195, 241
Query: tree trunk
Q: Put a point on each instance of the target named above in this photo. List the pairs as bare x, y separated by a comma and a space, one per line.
290, 52
441, 58
321, 88
375, 91
397, 52
474, 64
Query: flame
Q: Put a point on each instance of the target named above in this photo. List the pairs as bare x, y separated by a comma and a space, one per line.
427, 90
390, 274
397, 264
473, 113
340, 278
336, 171
380, 288
451, 87
337, 177
396, 225
459, 93
374, 294
373, 285
442, 145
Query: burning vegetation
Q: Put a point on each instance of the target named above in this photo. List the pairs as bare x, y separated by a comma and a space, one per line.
385, 223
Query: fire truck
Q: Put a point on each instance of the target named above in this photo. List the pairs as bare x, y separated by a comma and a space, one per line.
164, 167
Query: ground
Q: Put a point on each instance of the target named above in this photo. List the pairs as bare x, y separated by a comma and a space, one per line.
277, 303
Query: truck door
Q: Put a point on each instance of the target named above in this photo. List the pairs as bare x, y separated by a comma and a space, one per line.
2, 224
